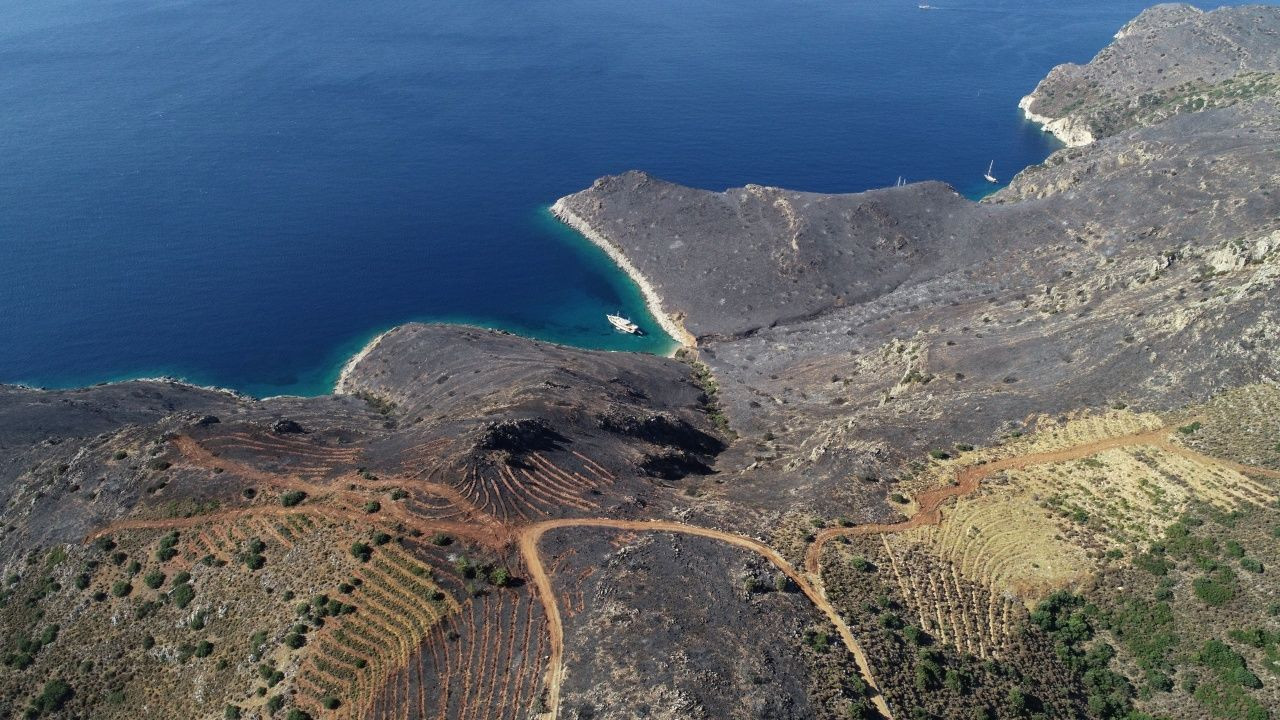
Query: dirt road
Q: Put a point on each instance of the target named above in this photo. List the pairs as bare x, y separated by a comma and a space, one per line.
969, 478
532, 534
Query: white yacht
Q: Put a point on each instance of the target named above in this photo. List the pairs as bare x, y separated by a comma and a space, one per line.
991, 178
622, 324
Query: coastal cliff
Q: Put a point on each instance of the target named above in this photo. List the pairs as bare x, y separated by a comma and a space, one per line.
1171, 59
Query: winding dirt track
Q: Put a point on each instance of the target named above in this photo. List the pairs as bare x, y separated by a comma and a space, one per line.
483, 528
929, 502
531, 535
970, 478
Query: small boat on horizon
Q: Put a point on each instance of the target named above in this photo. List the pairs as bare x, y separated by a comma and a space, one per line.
622, 324
991, 178
925, 6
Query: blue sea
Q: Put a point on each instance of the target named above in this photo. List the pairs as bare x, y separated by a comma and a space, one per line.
243, 192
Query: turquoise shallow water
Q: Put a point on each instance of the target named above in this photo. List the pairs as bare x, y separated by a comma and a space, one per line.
242, 193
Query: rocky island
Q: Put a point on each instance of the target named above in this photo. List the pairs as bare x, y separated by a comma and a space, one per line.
918, 457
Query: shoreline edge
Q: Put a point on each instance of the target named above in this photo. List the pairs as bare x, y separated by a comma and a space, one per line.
652, 300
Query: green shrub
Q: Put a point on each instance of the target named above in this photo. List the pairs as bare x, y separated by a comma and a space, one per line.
1015, 701
204, 649
1217, 655
182, 595
1189, 429
293, 497
361, 551
372, 506
817, 640
1153, 563
153, 579
120, 588
55, 694
146, 610
1212, 592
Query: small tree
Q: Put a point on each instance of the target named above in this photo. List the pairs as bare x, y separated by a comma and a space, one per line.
1016, 701
361, 551
182, 595
500, 577
55, 694
293, 497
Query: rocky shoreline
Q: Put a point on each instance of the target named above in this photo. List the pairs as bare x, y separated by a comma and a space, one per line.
1065, 129
343, 385
652, 299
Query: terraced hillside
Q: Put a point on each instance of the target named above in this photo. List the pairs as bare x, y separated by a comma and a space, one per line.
1099, 515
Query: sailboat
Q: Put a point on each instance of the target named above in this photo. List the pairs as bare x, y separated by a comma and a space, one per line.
991, 178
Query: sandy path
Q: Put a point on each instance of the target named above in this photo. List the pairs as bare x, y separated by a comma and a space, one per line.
531, 535
970, 478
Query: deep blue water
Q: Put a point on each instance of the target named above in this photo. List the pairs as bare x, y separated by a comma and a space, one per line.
242, 192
